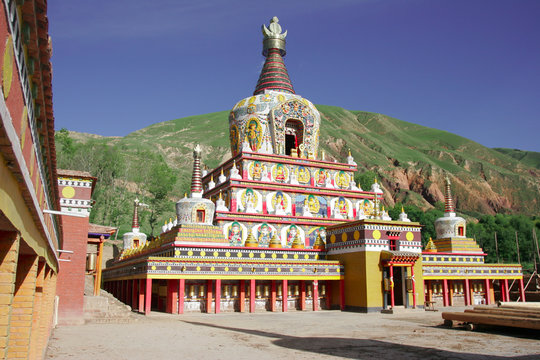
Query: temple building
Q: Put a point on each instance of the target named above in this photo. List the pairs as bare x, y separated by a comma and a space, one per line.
279, 227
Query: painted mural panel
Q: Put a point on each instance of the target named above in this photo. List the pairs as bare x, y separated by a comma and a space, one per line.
311, 205
278, 202
263, 233
249, 200
235, 232
341, 208
312, 235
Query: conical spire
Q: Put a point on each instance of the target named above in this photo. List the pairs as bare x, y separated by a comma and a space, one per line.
274, 75
448, 201
135, 222
196, 179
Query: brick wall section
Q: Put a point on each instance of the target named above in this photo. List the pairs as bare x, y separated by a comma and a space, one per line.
38, 311
71, 273
45, 326
23, 307
9, 254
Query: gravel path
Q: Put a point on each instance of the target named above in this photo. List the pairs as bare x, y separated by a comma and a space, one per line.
294, 335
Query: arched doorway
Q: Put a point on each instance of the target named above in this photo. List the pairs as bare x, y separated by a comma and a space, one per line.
294, 135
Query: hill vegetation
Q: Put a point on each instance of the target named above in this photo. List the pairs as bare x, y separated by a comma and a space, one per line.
409, 160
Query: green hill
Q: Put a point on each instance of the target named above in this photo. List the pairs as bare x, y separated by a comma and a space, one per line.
409, 159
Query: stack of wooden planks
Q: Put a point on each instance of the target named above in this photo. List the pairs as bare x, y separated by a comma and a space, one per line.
519, 315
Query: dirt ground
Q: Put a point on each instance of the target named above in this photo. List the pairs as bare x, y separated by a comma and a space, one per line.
323, 335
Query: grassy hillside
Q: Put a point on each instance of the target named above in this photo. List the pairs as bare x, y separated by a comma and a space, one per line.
411, 160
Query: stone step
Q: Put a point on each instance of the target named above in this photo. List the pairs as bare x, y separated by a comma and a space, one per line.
106, 309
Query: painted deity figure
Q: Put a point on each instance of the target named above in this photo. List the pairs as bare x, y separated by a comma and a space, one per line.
312, 204
257, 171
292, 233
303, 175
251, 200
343, 180
235, 234
368, 207
264, 235
280, 203
280, 173
342, 207
253, 135
321, 181
234, 138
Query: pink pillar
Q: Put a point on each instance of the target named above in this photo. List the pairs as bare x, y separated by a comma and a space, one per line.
148, 297
521, 290
506, 290
181, 294
142, 283
302, 295
284, 295
252, 295
315, 295
342, 294
392, 302
208, 296
273, 296
467, 293
172, 297
445, 292
413, 288
218, 297
488, 291
242, 298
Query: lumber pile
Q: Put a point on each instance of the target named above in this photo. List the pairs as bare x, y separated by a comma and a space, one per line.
519, 315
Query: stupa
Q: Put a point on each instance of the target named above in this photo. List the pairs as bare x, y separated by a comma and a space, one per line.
278, 184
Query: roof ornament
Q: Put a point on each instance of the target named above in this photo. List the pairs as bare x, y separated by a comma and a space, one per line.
196, 179
449, 208
273, 37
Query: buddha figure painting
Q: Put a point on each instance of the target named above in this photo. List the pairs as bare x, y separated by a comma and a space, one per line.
280, 173
292, 233
343, 207
256, 170
368, 207
312, 204
342, 180
254, 134
321, 177
249, 199
264, 235
279, 201
303, 175
235, 234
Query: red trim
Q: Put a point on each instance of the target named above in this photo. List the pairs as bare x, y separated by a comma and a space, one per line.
467, 293
521, 290
451, 253
141, 295
445, 292
232, 248
302, 295
172, 296
209, 284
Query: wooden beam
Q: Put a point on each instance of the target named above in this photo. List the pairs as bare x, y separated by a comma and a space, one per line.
498, 320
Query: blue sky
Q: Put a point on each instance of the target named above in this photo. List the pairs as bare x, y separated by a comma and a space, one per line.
471, 67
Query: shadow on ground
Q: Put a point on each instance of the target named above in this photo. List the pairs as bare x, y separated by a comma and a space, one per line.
359, 348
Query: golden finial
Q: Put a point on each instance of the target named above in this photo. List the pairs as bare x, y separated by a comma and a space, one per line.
375, 180
349, 152
402, 210
212, 177
221, 171
185, 195
220, 197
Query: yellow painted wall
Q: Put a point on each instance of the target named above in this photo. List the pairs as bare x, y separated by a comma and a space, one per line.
13, 206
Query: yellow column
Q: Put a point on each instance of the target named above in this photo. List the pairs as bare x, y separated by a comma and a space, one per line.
9, 253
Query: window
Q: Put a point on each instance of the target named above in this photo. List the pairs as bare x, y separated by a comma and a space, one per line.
200, 215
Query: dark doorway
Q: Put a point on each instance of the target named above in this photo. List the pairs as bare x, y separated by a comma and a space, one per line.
398, 285
200, 216
294, 135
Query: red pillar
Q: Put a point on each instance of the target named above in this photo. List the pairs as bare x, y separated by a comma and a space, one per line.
148, 297
273, 296
445, 292
172, 297
127, 294
134, 293
342, 294
467, 293
488, 291
506, 290
218, 296
413, 288
521, 290
208, 296
392, 302
284, 295
242, 295
252, 295
181, 294
315, 295
141, 295
121, 290
302, 295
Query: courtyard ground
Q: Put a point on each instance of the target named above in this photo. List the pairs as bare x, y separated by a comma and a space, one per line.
410, 334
